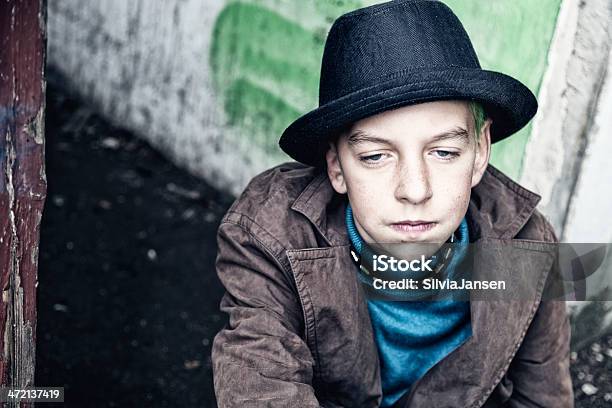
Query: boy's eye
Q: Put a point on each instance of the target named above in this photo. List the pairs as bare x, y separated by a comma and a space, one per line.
445, 154
371, 158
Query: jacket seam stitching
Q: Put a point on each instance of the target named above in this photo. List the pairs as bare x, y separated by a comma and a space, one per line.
309, 251
262, 244
310, 324
246, 228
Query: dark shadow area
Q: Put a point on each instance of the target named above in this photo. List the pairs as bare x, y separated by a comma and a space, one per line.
127, 296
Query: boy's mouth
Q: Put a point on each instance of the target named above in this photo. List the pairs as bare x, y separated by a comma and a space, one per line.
413, 226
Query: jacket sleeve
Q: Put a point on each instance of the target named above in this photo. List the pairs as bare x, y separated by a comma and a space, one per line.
258, 358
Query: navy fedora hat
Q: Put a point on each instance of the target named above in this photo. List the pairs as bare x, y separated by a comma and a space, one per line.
395, 54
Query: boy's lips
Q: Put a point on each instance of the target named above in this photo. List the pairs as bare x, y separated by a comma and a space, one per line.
413, 226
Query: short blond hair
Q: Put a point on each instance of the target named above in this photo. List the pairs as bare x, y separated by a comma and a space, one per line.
480, 116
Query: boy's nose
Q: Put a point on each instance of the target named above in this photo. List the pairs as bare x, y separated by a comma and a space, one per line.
413, 183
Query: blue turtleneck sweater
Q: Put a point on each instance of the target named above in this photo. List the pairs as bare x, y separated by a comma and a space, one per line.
412, 336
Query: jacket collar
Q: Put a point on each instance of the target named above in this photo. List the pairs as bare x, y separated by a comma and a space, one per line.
498, 208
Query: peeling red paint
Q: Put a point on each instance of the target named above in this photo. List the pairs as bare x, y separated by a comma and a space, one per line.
22, 181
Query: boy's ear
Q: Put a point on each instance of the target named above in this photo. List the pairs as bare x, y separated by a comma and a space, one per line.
483, 151
334, 169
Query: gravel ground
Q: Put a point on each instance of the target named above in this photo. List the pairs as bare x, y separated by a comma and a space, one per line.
127, 295
592, 374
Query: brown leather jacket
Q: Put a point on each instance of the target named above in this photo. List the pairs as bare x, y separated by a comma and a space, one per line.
299, 331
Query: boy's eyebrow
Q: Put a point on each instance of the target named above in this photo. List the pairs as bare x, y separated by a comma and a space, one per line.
458, 133
359, 136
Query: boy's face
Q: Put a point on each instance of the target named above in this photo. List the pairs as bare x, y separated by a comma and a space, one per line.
408, 172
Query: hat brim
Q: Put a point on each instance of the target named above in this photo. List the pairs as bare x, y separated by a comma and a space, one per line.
508, 102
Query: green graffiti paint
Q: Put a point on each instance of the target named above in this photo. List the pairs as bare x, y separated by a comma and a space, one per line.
266, 68
257, 111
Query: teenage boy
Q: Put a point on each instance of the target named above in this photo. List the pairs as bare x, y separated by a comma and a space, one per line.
397, 151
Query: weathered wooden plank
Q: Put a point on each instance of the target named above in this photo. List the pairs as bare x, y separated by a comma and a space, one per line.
22, 181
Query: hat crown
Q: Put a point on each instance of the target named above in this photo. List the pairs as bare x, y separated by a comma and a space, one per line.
369, 45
